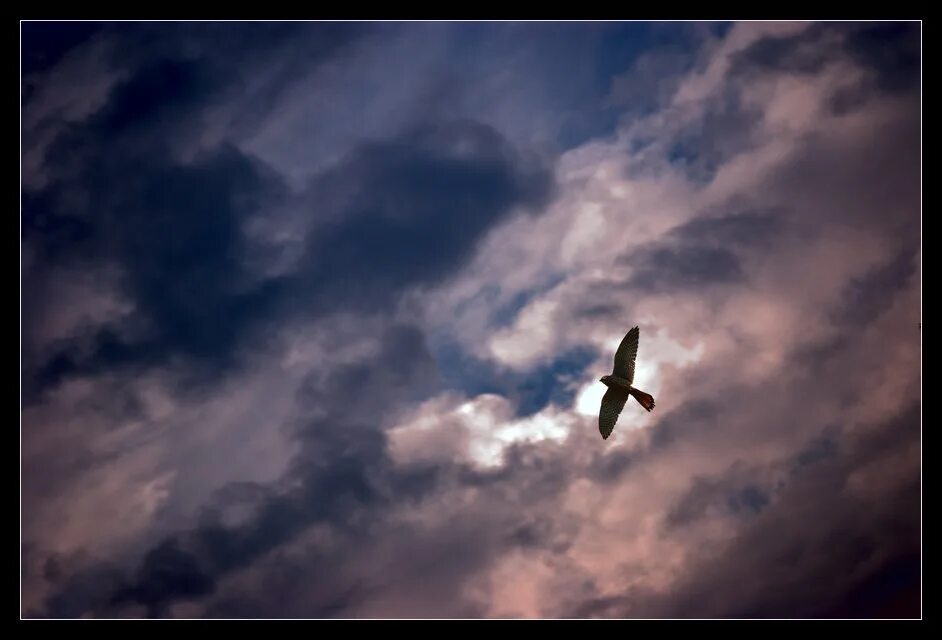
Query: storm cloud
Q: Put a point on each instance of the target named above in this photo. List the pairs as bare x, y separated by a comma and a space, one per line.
314, 313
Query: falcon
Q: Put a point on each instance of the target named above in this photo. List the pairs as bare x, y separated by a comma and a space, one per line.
619, 385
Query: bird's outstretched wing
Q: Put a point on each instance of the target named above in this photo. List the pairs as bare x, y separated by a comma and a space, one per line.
625, 356
612, 403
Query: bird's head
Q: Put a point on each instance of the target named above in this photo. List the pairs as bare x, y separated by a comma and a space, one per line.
604, 379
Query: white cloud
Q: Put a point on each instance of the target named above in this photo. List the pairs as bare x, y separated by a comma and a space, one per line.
476, 431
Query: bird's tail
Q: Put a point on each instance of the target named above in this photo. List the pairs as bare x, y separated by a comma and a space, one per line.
646, 400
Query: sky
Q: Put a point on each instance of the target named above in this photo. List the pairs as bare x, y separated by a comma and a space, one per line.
314, 316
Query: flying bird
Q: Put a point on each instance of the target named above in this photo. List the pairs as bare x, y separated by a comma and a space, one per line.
619, 385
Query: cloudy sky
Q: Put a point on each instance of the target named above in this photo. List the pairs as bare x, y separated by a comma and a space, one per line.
313, 317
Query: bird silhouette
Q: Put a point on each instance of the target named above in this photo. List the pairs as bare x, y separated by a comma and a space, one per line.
619, 384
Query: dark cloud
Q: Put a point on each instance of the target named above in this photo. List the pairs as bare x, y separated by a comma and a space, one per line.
125, 189
893, 590
681, 267
222, 56
738, 492
865, 298
408, 211
342, 480
849, 558
119, 194
725, 129
652, 79
82, 593
891, 50
706, 251
45, 43
398, 213
599, 311
890, 53
753, 229
822, 447
804, 53
870, 179
174, 229
342, 477
805, 545
167, 572
701, 415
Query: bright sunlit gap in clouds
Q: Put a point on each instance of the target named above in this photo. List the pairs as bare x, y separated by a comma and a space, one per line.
478, 430
491, 429
655, 350
490, 438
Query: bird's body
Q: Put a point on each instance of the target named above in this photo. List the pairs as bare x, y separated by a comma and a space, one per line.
615, 381
619, 385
